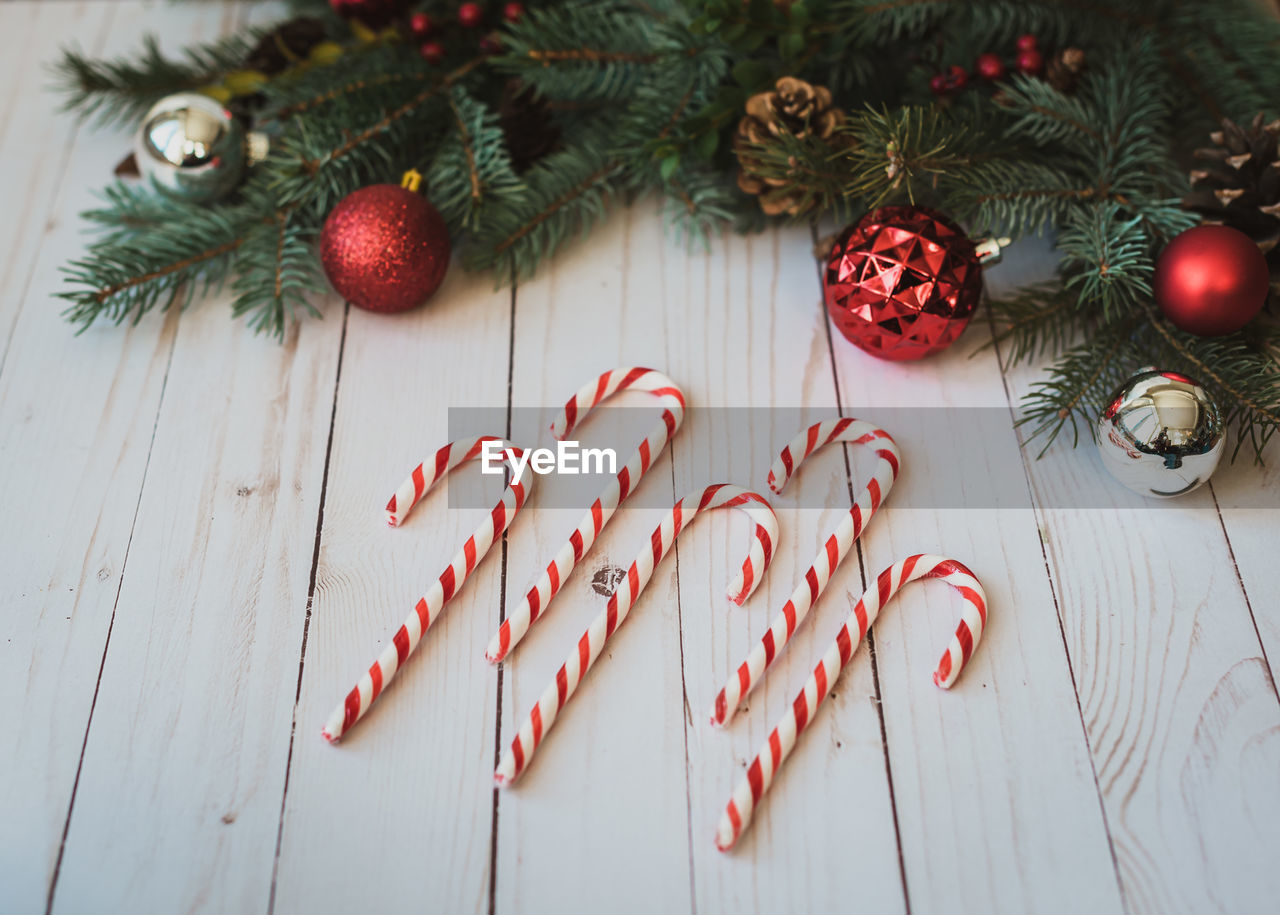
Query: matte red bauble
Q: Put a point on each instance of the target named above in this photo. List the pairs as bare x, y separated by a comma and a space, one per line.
1211, 280
385, 248
902, 282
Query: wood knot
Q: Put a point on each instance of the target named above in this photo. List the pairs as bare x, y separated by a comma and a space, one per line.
606, 579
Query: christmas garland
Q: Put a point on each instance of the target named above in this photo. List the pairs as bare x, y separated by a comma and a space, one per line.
1115, 126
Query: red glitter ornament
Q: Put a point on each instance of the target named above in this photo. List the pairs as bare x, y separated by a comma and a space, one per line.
385, 248
1027, 43
432, 52
902, 282
470, 15
1211, 280
513, 11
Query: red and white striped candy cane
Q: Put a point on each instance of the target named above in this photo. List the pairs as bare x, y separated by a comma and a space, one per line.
535, 603
561, 689
764, 768
829, 557
406, 639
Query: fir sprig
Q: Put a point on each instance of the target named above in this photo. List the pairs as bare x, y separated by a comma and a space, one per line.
646, 95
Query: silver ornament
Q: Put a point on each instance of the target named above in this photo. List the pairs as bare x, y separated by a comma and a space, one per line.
1161, 434
192, 147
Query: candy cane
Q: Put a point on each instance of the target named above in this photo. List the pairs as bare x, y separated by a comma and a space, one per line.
446, 586
829, 557
561, 689
764, 768
534, 604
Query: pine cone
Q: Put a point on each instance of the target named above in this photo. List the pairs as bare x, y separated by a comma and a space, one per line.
285, 45
527, 125
793, 107
1239, 185
1064, 70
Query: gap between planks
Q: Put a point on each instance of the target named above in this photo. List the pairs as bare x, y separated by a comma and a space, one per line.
1062, 630
862, 573
311, 593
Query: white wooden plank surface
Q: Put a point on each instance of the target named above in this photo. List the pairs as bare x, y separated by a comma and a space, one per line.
76, 420
569, 833
1114, 746
995, 798
1177, 701
405, 801
754, 338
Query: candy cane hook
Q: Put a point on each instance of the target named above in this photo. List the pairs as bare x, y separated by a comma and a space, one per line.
829, 557
406, 639
561, 689
764, 768
534, 603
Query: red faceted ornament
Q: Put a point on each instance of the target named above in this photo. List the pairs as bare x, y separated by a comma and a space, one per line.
1211, 280
385, 248
902, 282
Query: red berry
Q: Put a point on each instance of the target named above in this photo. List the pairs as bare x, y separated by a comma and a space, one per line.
953, 80
470, 15
432, 52
489, 44
420, 25
1030, 61
513, 11
1027, 43
989, 66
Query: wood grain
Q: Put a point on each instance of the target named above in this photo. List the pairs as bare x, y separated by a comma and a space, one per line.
174, 494
76, 419
752, 339
399, 812
996, 800
568, 832
1178, 704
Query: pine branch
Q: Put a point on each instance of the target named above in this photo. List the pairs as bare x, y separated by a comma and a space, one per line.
121, 90
472, 170
1038, 320
277, 273
124, 276
1078, 384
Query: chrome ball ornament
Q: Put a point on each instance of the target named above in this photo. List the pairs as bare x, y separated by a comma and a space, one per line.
1161, 434
192, 147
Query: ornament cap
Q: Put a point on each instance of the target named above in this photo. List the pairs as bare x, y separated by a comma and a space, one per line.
256, 147
989, 250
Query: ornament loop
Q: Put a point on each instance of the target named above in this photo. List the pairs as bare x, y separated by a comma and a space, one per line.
411, 180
